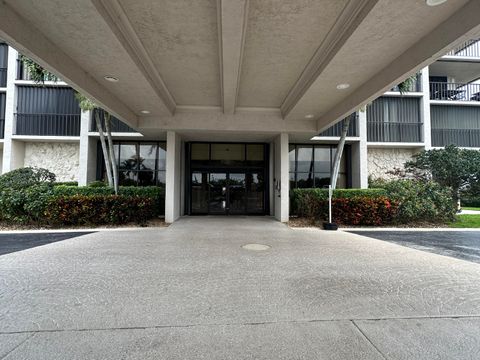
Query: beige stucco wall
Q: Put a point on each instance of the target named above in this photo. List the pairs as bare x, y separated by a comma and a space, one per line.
381, 160
60, 158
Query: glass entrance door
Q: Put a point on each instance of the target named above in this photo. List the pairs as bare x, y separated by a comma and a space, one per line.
218, 193
236, 193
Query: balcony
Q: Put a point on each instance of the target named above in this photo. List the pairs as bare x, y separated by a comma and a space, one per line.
394, 132
458, 137
336, 130
47, 124
3, 77
454, 91
415, 86
470, 48
24, 74
116, 125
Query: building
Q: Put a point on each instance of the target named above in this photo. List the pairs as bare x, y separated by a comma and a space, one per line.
246, 96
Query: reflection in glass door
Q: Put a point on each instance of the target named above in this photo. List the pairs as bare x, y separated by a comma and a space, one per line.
218, 193
255, 193
236, 193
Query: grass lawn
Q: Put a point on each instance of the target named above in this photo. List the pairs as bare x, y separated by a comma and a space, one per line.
466, 221
470, 208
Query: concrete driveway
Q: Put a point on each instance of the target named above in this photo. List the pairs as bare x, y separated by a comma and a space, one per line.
461, 244
191, 291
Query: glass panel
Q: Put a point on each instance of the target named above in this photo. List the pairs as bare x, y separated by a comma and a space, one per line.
161, 178
291, 157
343, 162
128, 157
200, 151
146, 178
148, 154
255, 193
304, 180
218, 193
304, 159
322, 180
236, 193
199, 192
162, 156
228, 152
292, 180
255, 152
127, 178
322, 159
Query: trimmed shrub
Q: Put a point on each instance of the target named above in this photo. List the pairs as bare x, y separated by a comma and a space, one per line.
22, 178
420, 201
66, 183
98, 209
97, 183
472, 202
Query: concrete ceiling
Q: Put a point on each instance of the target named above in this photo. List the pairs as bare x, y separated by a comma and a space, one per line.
461, 72
235, 65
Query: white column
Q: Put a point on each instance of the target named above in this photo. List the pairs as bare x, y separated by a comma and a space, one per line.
360, 153
281, 178
173, 180
88, 151
13, 151
425, 109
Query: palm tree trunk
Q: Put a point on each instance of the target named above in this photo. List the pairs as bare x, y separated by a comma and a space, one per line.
111, 152
106, 156
338, 154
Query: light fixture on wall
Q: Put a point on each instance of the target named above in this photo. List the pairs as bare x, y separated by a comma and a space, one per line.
145, 112
343, 86
435, 2
110, 78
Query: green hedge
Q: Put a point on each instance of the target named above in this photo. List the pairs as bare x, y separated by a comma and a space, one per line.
470, 202
98, 209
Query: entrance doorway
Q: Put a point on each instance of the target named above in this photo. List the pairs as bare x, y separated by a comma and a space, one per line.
232, 181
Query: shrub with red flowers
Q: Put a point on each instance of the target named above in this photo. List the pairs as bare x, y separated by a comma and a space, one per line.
99, 209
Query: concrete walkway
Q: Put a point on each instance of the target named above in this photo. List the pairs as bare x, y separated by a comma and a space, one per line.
191, 291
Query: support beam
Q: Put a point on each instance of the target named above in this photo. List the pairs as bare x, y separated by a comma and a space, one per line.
173, 174
115, 17
27, 39
349, 20
232, 18
281, 178
460, 27
88, 152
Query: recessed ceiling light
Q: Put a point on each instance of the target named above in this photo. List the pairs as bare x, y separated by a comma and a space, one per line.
343, 86
309, 116
110, 78
435, 2
145, 112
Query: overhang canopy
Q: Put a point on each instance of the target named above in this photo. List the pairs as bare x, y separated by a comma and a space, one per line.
239, 65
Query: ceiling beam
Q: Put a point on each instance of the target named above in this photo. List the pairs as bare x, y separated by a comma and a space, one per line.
232, 23
115, 17
29, 41
348, 21
461, 26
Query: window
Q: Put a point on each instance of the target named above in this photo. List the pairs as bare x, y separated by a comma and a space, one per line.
311, 166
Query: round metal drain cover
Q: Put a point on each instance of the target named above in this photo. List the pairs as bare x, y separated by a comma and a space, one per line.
255, 247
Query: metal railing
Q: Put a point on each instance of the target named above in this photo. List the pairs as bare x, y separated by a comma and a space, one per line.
47, 124
336, 130
394, 132
3, 77
116, 124
454, 91
24, 74
459, 137
470, 48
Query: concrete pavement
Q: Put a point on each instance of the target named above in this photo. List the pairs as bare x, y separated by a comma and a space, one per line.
191, 291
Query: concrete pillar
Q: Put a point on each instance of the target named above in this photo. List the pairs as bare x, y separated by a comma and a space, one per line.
281, 178
11, 159
360, 153
173, 177
425, 109
88, 151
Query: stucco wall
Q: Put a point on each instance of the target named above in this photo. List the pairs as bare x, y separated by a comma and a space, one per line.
60, 158
382, 160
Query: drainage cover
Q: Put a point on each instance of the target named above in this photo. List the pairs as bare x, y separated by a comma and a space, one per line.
255, 247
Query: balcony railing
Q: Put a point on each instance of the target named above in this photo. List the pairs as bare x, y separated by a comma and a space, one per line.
469, 48
116, 125
394, 132
415, 86
336, 130
3, 77
454, 91
459, 137
48, 124
24, 74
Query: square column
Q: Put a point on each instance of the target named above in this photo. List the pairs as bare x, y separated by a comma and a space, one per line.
425, 109
281, 183
360, 153
88, 151
173, 177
